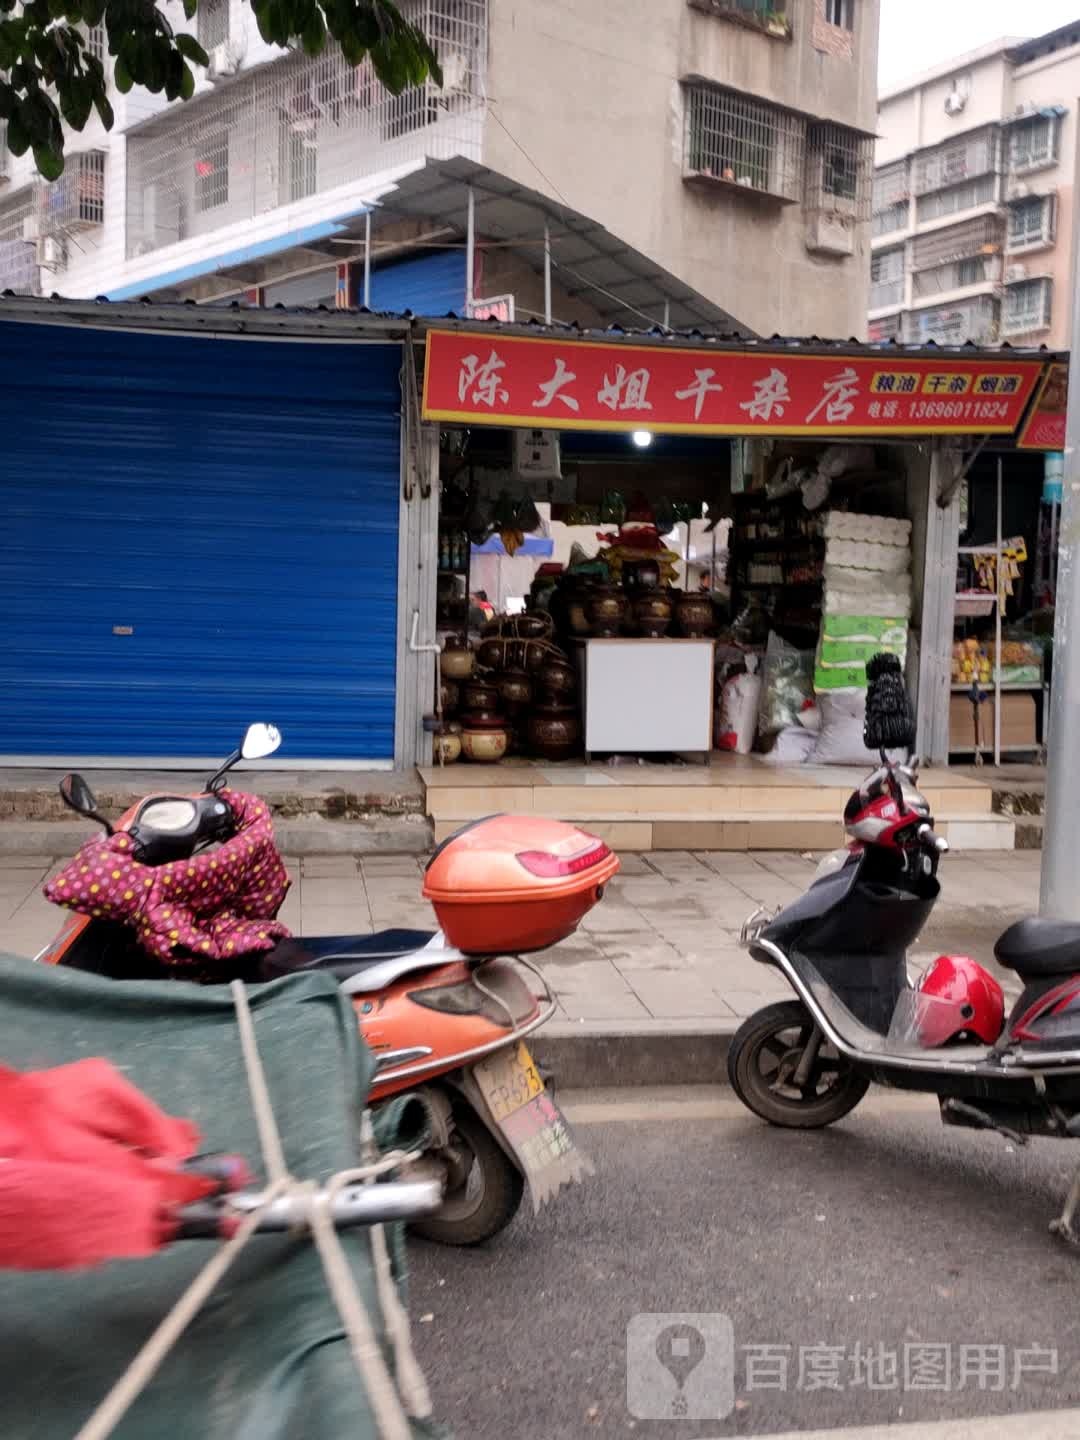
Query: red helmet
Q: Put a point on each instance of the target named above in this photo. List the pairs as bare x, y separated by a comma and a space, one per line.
958, 1000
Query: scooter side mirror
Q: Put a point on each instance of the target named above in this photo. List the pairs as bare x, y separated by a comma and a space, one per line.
259, 741
77, 795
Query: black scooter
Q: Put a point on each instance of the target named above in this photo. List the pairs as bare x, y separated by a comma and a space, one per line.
806, 1063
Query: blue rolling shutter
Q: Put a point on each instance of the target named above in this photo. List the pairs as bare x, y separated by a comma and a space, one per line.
429, 285
198, 532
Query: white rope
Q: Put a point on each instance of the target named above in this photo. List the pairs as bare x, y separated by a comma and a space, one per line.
386, 1402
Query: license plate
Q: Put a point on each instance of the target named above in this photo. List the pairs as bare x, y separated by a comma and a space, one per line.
509, 1080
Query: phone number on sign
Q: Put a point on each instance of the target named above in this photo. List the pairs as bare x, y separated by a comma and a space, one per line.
959, 410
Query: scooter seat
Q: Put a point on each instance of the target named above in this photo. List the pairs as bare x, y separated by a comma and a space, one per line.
1039, 947
344, 956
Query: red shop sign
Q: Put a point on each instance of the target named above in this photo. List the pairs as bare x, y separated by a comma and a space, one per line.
591, 385
1045, 426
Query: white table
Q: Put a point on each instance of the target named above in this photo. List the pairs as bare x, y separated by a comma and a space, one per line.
646, 696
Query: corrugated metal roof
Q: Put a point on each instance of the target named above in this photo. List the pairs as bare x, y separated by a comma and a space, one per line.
360, 324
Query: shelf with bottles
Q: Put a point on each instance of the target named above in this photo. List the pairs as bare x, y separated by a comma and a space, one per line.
453, 552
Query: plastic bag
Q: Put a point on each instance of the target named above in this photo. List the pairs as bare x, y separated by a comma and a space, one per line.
751, 625
738, 710
787, 684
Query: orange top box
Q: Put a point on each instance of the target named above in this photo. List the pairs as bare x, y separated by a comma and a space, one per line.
514, 883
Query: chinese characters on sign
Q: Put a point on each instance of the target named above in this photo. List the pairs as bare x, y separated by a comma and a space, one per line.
921, 1365
514, 380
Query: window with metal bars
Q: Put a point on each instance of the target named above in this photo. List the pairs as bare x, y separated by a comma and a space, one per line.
955, 275
840, 13
299, 162
97, 42
1031, 222
212, 173
956, 199
839, 166
212, 23
887, 328
731, 137
18, 255
894, 217
956, 324
957, 161
887, 278
891, 186
77, 200
1034, 143
1027, 306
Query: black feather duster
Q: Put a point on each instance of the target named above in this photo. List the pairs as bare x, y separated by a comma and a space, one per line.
889, 722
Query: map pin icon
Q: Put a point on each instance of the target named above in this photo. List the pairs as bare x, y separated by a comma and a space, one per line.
680, 1350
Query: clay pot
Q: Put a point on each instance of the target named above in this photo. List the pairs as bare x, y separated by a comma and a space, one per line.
484, 738
605, 611
447, 747
639, 575
554, 731
558, 679
694, 613
515, 687
479, 694
576, 613
492, 654
519, 627
652, 611
449, 695
456, 661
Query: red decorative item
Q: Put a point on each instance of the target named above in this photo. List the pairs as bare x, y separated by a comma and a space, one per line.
215, 906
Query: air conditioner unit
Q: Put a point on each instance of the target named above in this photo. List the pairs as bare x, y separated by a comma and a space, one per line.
224, 62
955, 102
52, 253
30, 229
1015, 272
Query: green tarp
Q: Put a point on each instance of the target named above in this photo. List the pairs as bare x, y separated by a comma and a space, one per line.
267, 1358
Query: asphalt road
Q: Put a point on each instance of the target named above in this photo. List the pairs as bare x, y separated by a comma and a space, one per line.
843, 1246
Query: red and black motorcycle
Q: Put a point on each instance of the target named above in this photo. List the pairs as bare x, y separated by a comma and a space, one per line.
807, 1062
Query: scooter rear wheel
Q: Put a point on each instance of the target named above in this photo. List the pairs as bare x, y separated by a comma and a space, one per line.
488, 1188
763, 1056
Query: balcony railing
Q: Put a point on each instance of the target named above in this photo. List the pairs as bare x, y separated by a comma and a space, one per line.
18, 243
984, 236
299, 127
885, 293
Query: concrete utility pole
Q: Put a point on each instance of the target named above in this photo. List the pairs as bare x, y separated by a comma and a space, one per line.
1060, 892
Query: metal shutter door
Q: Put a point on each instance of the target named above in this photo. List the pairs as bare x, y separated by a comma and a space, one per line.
233, 504
430, 285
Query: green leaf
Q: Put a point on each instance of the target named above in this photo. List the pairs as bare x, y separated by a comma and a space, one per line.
104, 110
190, 6
313, 37
122, 75
18, 137
49, 161
187, 84
191, 50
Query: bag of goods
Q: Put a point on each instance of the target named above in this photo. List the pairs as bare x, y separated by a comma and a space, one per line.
786, 686
1021, 660
843, 713
738, 710
887, 630
793, 746
868, 555
834, 653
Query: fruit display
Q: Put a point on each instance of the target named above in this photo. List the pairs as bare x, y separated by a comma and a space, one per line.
971, 664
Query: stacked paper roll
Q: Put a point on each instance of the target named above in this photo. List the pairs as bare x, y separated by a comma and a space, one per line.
867, 598
844, 525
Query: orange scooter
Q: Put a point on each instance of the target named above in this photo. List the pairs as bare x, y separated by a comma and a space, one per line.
445, 1012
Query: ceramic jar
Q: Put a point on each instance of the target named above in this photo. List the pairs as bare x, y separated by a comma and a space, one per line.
449, 695
576, 611
477, 694
456, 661
484, 737
554, 731
515, 687
447, 746
652, 611
694, 613
558, 679
639, 575
493, 654
605, 611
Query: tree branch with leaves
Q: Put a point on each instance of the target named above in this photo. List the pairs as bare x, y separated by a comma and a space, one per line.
49, 78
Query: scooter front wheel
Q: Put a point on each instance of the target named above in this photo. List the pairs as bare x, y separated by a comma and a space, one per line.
764, 1057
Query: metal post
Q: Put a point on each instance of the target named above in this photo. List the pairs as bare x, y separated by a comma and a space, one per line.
667, 314
367, 261
547, 275
999, 581
470, 252
1060, 893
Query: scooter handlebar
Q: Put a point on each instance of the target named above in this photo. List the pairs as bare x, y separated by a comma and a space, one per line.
351, 1206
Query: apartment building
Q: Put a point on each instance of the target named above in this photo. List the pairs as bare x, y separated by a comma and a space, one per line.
728, 143
973, 197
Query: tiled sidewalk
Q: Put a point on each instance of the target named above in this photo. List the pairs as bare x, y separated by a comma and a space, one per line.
659, 952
